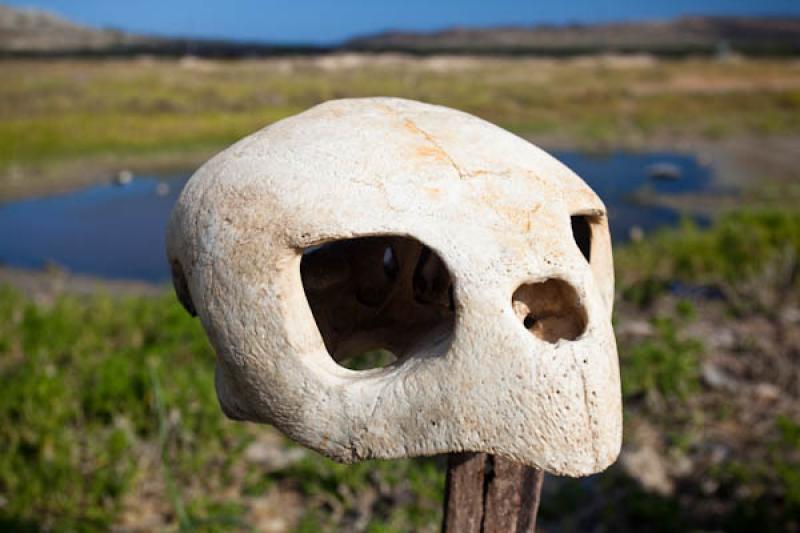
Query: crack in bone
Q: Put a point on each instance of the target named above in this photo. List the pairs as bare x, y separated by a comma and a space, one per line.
410, 124
414, 127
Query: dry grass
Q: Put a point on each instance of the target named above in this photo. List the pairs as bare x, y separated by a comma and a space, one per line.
54, 113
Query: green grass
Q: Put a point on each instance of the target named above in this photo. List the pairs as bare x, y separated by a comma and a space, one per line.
664, 364
740, 247
101, 395
92, 387
87, 386
53, 111
409, 495
774, 496
84, 384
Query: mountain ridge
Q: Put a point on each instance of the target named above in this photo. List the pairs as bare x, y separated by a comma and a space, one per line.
30, 32
33, 32
700, 33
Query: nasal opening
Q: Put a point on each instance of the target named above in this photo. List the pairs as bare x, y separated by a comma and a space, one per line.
379, 298
550, 309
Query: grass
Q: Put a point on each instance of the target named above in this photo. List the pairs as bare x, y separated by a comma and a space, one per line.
101, 395
740, 247
61, 111
108, 404
84, 385
664, 364
409, 495
773, 500
90, 387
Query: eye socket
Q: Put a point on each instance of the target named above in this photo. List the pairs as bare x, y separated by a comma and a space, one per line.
582, 233
378, 298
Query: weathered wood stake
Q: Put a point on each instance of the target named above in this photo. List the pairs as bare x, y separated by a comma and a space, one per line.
486, 494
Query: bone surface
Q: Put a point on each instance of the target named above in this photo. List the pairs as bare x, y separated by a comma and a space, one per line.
481, 262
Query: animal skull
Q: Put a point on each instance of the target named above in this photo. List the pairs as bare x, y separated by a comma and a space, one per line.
480, 261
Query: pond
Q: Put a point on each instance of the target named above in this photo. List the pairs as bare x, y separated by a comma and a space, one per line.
117, 231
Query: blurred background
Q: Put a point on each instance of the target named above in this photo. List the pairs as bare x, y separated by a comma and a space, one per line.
684, 116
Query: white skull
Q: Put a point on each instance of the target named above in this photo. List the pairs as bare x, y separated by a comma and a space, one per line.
479, 260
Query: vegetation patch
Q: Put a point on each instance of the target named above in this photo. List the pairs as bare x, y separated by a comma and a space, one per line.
108, 405
56, 112
663, 364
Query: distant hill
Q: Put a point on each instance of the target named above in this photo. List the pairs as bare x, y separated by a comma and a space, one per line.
755, 35
28, 32
32, 32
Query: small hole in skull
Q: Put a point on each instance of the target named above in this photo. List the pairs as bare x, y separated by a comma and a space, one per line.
582, 233
379, 298
550, 309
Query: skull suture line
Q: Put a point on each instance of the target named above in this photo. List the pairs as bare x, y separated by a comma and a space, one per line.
483, 263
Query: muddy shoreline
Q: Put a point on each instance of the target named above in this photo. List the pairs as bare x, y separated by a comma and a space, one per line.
20, 182
46, 285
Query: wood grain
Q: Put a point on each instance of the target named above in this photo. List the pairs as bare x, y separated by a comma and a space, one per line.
489, 494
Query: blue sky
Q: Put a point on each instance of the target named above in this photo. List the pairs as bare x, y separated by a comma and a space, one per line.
330, 21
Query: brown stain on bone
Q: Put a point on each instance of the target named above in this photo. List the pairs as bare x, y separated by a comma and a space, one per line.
428, 150
413, 128
431, 152
434, 193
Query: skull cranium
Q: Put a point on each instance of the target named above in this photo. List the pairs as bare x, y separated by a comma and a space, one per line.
480, 261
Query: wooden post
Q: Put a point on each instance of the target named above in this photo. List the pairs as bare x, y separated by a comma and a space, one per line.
489, 494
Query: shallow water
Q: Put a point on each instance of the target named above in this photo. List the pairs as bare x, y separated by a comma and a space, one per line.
118, 231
